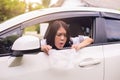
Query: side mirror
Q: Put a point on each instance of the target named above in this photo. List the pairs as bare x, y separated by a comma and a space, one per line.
26, 42
25, 45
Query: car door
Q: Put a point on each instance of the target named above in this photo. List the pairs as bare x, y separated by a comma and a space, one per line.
112, 47
89, 62
89, 65
112, 61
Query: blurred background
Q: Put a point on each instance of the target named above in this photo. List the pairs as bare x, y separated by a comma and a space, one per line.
12, 8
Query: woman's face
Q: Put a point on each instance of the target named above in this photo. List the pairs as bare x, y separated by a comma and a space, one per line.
60, 38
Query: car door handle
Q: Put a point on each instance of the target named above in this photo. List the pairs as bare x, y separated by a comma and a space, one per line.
89, 62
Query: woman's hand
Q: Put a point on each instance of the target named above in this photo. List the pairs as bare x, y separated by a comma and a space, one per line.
46, 48
76, 46
84, 43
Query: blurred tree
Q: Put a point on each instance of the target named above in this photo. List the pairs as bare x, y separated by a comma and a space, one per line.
46, 3
34, 6
11, 8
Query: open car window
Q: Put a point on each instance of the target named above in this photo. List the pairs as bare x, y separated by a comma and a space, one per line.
77, 25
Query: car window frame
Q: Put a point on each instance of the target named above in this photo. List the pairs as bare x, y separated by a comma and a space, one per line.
59, 15
110, 15
12, 29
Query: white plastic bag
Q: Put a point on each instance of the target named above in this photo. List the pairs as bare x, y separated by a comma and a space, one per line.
62, 59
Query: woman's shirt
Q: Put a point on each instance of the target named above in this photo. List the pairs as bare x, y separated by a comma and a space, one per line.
75, 40
78, 39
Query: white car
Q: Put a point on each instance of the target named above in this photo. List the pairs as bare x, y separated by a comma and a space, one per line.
21, 58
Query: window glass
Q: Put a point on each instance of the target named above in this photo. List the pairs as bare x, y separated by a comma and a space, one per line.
112, 30
38, 30
7, 40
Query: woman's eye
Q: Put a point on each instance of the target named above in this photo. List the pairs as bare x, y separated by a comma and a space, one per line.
61, 35
65, 35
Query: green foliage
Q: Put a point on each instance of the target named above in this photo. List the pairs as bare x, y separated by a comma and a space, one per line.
33, 28
46, 3
11, 8
34, 6
38, 28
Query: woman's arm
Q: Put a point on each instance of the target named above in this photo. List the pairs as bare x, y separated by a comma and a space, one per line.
84, 43
44, 47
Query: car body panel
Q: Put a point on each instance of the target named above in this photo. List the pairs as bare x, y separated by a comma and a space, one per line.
37, 66
112, 58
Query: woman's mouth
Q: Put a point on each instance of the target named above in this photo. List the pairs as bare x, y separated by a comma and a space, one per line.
61, 44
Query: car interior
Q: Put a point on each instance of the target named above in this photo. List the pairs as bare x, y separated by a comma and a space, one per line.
79, 26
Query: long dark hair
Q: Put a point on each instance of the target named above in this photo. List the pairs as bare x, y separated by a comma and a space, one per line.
52, 30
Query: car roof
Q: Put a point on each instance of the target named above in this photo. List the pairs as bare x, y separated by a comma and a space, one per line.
37, 13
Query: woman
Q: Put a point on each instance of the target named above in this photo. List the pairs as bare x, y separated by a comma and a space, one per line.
58, 37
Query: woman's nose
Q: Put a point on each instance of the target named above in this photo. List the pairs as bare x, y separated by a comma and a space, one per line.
62, 37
